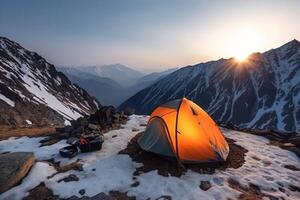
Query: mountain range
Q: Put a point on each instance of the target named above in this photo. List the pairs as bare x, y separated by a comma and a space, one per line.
33, 92
119, 73
263, 92
112, 84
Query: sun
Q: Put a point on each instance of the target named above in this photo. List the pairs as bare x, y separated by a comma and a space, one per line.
241, 56
242, 43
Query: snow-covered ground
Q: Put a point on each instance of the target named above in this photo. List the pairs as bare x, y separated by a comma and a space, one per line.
107, 170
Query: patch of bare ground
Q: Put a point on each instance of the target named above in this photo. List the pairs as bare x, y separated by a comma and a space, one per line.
167, 166
7, 132
64, 168
250, 192
120, 195
41, 192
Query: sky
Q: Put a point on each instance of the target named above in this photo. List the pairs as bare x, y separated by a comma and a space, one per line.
148, 35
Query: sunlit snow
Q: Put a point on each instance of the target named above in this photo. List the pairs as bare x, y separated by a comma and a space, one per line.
106, 170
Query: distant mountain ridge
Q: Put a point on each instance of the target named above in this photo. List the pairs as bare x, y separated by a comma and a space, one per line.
119, 73
107, 90
32, 91
263, 92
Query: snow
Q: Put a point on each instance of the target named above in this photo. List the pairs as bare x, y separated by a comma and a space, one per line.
95, 102
58, 80
28, 122
67, 123
27, 144
40, 91
111, 173
7, 100
107, 170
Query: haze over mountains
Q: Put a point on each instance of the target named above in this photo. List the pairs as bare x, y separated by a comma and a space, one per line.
120, 73
262, 92
112, 84
32, 91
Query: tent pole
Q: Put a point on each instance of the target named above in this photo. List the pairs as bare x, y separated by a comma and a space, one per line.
176, 133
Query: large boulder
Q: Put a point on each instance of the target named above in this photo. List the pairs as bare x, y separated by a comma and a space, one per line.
13, 167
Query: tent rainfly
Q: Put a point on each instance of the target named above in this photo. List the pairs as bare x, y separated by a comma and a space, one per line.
181, 129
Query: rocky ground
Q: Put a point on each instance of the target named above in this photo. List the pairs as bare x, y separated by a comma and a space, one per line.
256, 168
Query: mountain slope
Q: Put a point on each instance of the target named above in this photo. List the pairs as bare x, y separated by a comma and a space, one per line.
107, 91
32, 91
263, 92
149, 79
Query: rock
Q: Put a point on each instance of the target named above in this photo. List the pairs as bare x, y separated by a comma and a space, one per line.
100, 196
68, 129
123, 195
83, 122
116, 117
135, 129
13, 167
70, 178
78, 130
82, 191
60, 129
78, 198
93, 127
205, 185
129, 111
135, 184
105, 119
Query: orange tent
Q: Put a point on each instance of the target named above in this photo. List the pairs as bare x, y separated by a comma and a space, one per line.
181, 129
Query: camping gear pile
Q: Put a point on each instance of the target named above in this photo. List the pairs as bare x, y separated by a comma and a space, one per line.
181, 129
84, 143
